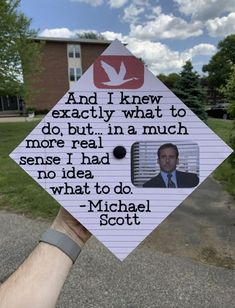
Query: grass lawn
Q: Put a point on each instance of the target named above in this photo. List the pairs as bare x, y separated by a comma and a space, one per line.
224, 173
221, 127
20, 193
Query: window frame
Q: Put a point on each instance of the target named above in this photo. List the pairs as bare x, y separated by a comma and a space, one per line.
74, 51
73, 72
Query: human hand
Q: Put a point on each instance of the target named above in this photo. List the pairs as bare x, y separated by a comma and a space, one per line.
66, 223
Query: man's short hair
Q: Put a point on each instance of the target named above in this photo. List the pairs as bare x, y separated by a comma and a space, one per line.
168, 145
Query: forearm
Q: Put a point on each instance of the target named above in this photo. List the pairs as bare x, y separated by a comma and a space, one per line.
38, 281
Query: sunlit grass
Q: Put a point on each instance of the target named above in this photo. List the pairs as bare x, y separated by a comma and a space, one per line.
18, 191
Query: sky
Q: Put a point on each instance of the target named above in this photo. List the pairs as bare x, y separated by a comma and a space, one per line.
164, 33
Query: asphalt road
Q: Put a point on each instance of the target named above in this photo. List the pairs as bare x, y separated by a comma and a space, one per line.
188, 261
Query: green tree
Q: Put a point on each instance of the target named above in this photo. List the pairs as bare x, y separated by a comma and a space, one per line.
17, 49
91, 35
220, 64
188, 88
229, 93
169, 80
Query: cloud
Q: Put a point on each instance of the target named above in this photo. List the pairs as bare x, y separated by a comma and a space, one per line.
159, 57
132, 12
205, 9
157, 10
221, 26
112, 3
59, 32
109, 35
90, 2
153, 13
117, 3
63, 32
200, 49
166, 27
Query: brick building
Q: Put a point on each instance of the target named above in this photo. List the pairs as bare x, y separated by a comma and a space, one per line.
63, 61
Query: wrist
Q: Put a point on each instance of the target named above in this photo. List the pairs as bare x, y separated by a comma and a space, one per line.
63, 242
67, 224
65, 229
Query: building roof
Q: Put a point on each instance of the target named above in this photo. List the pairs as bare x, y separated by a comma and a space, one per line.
71, 40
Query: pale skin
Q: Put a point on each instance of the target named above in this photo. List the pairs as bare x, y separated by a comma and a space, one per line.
38, 281
168, 160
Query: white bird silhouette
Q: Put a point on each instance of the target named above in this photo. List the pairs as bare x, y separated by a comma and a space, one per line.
115, 78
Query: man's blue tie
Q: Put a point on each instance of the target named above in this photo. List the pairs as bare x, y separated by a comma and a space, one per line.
170, 183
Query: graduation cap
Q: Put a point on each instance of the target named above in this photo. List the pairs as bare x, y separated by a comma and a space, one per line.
97, 148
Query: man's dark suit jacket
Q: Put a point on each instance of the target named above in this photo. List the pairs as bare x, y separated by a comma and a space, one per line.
184, 180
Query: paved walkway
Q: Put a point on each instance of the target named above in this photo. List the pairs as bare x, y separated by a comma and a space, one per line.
18, 119
171, 268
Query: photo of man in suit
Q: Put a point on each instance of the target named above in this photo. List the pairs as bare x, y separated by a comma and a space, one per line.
169, 177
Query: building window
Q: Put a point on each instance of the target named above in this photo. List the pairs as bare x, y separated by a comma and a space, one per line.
74, 73
74, 51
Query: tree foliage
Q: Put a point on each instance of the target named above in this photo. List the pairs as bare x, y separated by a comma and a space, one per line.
17, 51
169, 80
229, 93
188, 88
92, 36
220, 64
